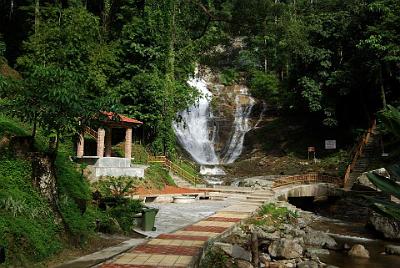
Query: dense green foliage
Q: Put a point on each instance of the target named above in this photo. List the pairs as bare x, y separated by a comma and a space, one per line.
30, 229
389, 187
323, 59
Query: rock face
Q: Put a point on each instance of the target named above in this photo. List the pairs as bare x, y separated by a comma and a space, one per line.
285, 248
359, 251
388, 227
43, 175
392, 249
318, 238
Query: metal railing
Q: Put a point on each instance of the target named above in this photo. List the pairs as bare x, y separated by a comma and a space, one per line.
175, 168
307, 179
357, 152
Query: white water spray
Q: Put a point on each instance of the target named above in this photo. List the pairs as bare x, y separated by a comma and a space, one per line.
193, 132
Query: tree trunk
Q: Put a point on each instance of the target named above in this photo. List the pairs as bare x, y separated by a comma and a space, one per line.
382, 87
37, 10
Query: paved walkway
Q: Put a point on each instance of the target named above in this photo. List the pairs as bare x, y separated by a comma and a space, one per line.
182, 248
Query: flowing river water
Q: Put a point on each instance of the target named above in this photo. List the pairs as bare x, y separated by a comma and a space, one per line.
346, 222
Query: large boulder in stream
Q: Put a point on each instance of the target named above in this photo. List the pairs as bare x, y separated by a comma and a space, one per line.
359, 251
388, 227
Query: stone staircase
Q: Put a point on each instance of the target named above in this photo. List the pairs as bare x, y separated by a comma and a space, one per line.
179, 181
367, 158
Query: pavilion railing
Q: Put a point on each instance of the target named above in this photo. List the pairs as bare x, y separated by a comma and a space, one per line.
91, 132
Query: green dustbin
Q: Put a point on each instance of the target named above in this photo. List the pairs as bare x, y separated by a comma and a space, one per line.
149, 218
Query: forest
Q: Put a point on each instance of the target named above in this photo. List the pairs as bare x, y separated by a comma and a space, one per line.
335, 62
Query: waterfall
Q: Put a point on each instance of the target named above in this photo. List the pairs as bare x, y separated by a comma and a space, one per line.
244, 105
196, 131
193, 132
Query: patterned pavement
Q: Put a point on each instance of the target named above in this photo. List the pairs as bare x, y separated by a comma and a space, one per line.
183, 247
178, 249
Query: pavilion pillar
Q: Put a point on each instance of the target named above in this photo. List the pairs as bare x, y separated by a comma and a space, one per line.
128, 143
80, 145
100, 142
108, 142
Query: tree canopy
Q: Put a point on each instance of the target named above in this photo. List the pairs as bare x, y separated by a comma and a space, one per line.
335, 62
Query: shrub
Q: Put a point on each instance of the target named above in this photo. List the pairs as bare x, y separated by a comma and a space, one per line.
265, 86
228, 77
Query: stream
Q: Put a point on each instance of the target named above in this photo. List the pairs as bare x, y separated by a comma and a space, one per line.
348, 226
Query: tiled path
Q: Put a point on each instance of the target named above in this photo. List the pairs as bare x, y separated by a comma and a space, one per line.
181, 248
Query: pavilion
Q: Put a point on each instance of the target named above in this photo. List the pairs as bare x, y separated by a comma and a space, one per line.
106, 122
104, 164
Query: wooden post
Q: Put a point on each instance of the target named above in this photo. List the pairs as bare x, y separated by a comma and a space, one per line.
254, 249
80, 148
100, 142
108, 142
128, 143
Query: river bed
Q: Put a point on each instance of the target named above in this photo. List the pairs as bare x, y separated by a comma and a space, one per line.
346, 229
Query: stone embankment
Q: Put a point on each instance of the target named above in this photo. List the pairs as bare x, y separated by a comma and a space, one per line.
279, 238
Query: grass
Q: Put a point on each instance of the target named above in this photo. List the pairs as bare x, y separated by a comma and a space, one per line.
272, 215
156, 176
30, 229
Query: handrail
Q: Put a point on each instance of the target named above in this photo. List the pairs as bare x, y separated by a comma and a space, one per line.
91, 132
307, 179
358, 152
174, 167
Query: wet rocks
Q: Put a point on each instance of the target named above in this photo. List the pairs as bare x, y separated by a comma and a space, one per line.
388, 227
318, 238
317, 251
359, 251
392, 250
308, 264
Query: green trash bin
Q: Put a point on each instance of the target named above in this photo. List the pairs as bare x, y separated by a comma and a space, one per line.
149, 218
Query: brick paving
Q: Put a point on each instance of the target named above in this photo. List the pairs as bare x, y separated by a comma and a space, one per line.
222, 219
212, 229
182, 247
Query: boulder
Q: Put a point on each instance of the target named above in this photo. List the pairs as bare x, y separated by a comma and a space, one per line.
388, 227
392, 250
307, 264
243, 264
318, 238
359, 251
285, 248
265, 235
234, 251
264, 258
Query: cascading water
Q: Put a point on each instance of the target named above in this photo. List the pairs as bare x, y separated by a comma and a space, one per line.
196, 131
244, 105
193, 132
